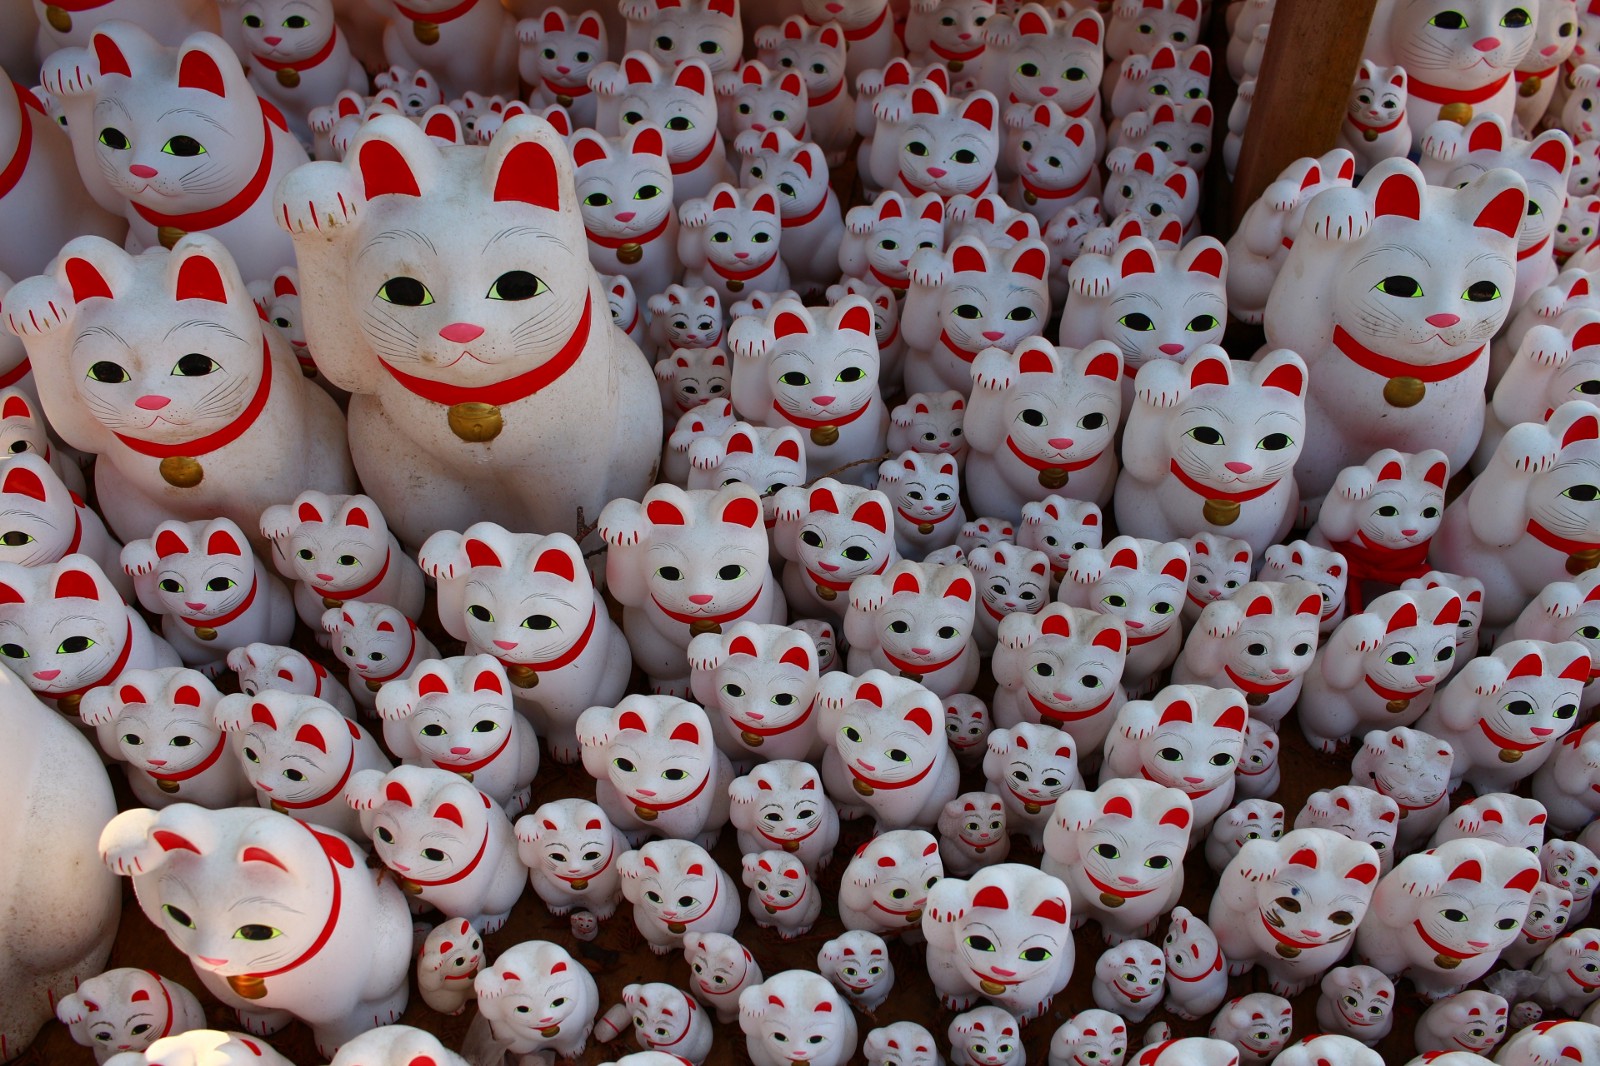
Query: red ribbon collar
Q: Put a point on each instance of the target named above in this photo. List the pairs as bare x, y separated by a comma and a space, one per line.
956, 349
730, 274
1209, 493
1244, 684
888, 786
1529, 253
462, 873
1051, 464
590, 876
19, 160
827, 96
785, 843
899, 285
1438, 94
438, 18
1389, 367
1120, 893
869, 29
1055, 194
568, 657
720, 619
1506, 743
332, 793
1046, 711
1215, 966
222, 437
817, 423
772, 731
920, 670
1394, 693
690, 165
225, 212
916, 521
617, 242
1523, 75
300, 64
573, 91
411, 653
841, 586
473, 767
916, 190
230, 616
108, 676
954, 57
355, 593
809, 216
327, 843
1192, 795
659, 807
1556, 541
22, 369
1375, 562
778, 907
197, 769
1364, 128
1440, 948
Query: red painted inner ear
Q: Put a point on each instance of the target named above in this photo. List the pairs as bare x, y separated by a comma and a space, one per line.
199, 279
1211, 370
21, 482
662, 513
75, 584
991, 896
197, 70
557, 562
384, 171
631, 720
85, 280
1401, 195
692, 76
586, 150
1504, 213
110, 57
528, 174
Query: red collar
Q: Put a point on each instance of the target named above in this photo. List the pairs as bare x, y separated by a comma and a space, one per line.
222, 437
891, 910
899, 285
1290, 941
331, 794
1438, 94
772, 731
1556, 541
733, 986
617, 242
818, 423
631, 326
474, 767
1529, 253
223, 619
1055, 194
868, 30
1192, 795
1523, 75
888, 786
566, 658
81, 5
1046, 711
19, 160
77, 525
828, 96
1506, 743
792, 843
920, 670
914, 520
511, 389
1585, 985
1120, 893
355, 593
1390, 367
438, 18
225, 212
590, 876
719, 619
1364, 128
659, 807
998, 617
1440, 948
465, 870
916, 190
196, 770
1049, 464
570, 91
809, 216
411, 653
106, 678
716, 890
1210, 493
1394, 693
776, 908
954, 57
1135, 639
1374, 562
328, 843
1404, 807
20, 371
730, 274
301, 64
1215, 966
840, 586
689, 165
1246, 685
1029, 801
955, 349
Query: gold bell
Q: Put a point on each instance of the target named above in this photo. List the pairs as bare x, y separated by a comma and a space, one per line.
825, 593
1255, 699
1052, 477
791, 845
1370, 135
425, 32
861, 787
168, 235
60, 20
822, 436
751, 739
677, 928
1446, 962
1530, 86
373, 686
957, 66
411, 887
563, 99
630, 252
1397, 706
1510, 755
287, 78
205, 632
550, 1030
330, 602
1030, 197
1583, 561
169, 787
1404, 392
924, 528
475, 423
735, 285
181, 471
1459, 112
770, 908
914, 916
911, 675
645, 813
523, 676
1220, 512
247, 986
1287, 951
280, 808
466, 775
580, 884
1032, 808
991, 988
68, 704
1110, 900
705, 625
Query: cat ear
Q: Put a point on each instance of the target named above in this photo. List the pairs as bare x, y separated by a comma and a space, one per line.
529, 163
1136, 256
665, 513
1553, 149
558, 560
1087, 26
21, 481
1504, 213
312, 736
692, 76
1311, 605
1486, 135
906, 581
889, 206
589, 26
1179, 710
743, 510
932, 208
1031, 261
969, 258
1036, 356
959, 589
109, 55
449, 812
685, 732
223, 542
442, 124
389, 152
871, 513
980, 108
647, 140
201, 64
1289, 375
1211, 367
799, 658
197, 265
82, 581
1404, 617
788, 449
481, 554
588, 147
640, 69
1437, 474
1400, 194
84, 278
921, 718
926, 101
766, 202
1205, 256
792, 85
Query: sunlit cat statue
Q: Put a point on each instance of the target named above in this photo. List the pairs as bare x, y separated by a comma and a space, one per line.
128, 1010
556, 51
47, 520
539, 1001
298, 58
342, 962
758, 685
481, 399
450, 957
678, 99
831, 533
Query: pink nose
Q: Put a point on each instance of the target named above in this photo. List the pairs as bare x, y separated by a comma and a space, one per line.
1060, 442
823, 401
212, 962
1003, 973
1128, 880
194, 606
936, 172
1479, 944
1423, 679
992, 334
1280, 670
741, 255
968, 37
1131, 624
273, 40
563, 70
1195, 780
324, 577
1171, 349
701, 599
1032, 169
139, 170
158, 762
833, 9
1443, 320
1542, 731
506, 645
460, 751
1408, 532
1047, 90
830, 567
627, 216
151, 403
921, 651
1486, 44
1239, 468
461, 332
1550, 49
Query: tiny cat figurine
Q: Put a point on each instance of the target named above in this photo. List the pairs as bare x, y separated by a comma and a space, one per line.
1356, 1001
1548, 914
1197, 978
556, 51
1355, 811
538, 999
1093, 1031
1404, 933
159, 724
1261, 642
1206, 450
1335, 877
1062, 668
570, 848
1566, 972
811, 218
984, 532
861, 719
676, 31
1500, 817
782, 895
1137, 29
1170, 71
1219, 567
1130, 979
1181, 129
623, 303
1382, 515
1042, 417
1016, 909
298, 59
1375, 126
925, 491
1258, 248
70, 606
450, 958
881, 237
1120, 851
966, 301
46, 520
869, 31
265, 666
967, 725
831, 534
281, 301
691, 377
1152, 184
1571, 867
1536, 525
796, 1008
1380, 667
22, 425
1033, 57
1029, 767
1473, 1021
950, 31
781, 804
886, 884
762, 100
722, 968
625, 194
820, 54
684, 318
917, 619
128, 1010
1066, 235
340, 966
987, 1036
457, 715
1059, 527
767, 459
930, 422
210, 166
190, 439
377, 644
1323, 567
681, 102
1054, 158
1204, 728
1247, 820
659, 1016
210, 590
340, 549
1564, 784
972, 833
676, 888
1548, 1039
1010, 581
901, 1044
1257, 1024
1142, 583
758, 685
299, 754
719, 572
1259, 774
466, 46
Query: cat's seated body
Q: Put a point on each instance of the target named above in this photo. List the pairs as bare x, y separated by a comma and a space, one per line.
467, 45
298, 57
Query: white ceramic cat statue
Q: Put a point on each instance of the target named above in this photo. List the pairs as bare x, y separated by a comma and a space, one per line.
1357, 1002
451, 957
48, 520
298, 59
128, 1010
555, 54
782, 895
1247, 820
538, 999
264, 666
930, 422
925, 491
1258, 1024
1565, 783
659, 1016
681, 101
1472, 1021
1061, 667
885, 886
870, 721
901, 1044
1556, 32
796, 1008
967, 725
722, 969
972, 833
1219, 567
1261, 243
570, 848
1130, 979
1011, 580
1143, 584
676, 888
917, 619
1324, 567
1549, 910
1262, 642
340, 968
673, 31
987, 1036
821, 54
377, 644
781, 804
1030, 767
831, 534
758, 685
1197, 974
1374, 126
204, 1047
1093, 1031
466, 45
625, 194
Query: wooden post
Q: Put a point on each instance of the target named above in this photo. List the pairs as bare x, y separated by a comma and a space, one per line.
1306, 75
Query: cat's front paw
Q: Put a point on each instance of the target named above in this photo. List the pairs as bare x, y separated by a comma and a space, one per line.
1545, 346
1443, 141
637, 10
727, 84
769, 37
622, 523
277, 521
443, 555
1560, 599
528, 31
1529, 448
1136, 68
37, 305
749, 337
608, 79
696, 212
321, 119
892, 108
139, 558
1282, 195
993, 369
68, 72
928, 267
1355, 483
1160, 383
317, 198
1339, 215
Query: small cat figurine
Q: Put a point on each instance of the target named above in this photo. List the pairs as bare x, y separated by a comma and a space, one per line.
449, 845
858, 964
796, 1005
72, 607
950, 31
659, 1016
450, 958
1011, 580
194, 149
1578, 226
626, 312
1041, 418
1204, 727
782, 895
985, 531
521, 598
265, 666
1059, 527
1066, 235
691, 377
377, 644
1257, 1025
831, 534
1259, 774
881, 237
730, 240
1323, 567
1168, 72
1564, 784
1152, 184
1092, 1031
723, 968
1219, 566
820, 53
684, 318
1548, 914
1142, 583
1515, 821
781, 804
298, 59
1382, 515
159, 725
466, 45
769, 460
677, 889
1029, 767
1054, 158
1261, 641
22, 425
869, 29
538, 1000
1130, 979
677, 31
681, 101
570, 848
1061, 667
1356, 1001
762, 100
298, 753
758, 685
1554, 363
1375, 126
967, 725
341, 949
1197, 975
1413, 769
1573, 868
916, 619
1033, 58
415, 89
1556, 34
1138, 28
1358, 813
972, 833
930, 422
862, 718
1208, 450
925, 492
809, 208
885, 886
556, 51
1259, 246
128, 1010
1247, 820
457, 715
966, 301
937, 142
47, 520
625, 195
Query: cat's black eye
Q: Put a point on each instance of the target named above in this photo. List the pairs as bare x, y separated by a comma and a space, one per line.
168, 584
183, 146
1205, 435
73, 645
664, 43
195, 365
1582, 493
632, 118
1481, 292
1031, 417
731, 572
857, 554
13, 651
1449, 20
679, 124
405, 292
1202, 323
794, 378
433, 729
433, 854
1400, 285
647, 192
1138, 322
967, 311
917, 148
596, 199
965, 156
107, 373
178, 915
480, 612
709, 48
516, 285
1020, 314
1274, 442
850, 375
255, 932
296, 22
294, 775
899, 625
220, 584
1029, 70
347, 560
539, 622
811, 538
1516, 19
253, 21
669, 573
112, 137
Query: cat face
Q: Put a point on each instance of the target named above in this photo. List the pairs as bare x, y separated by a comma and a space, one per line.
530, 599
1171, 73
1139, 585
708, 549
822, 367
801, 1013
678, 100
689, 318
1477, 897
796, 169
1011, 579
264, 666
710, 33
654, 750
203, 570
719, 963
294, 749
1151, 184
967, 724
1361, 995
1566, 500
1538, 701
994, 301
1091, 1036
1009, 928
1036, 763
568, 47
778, 880
896, 228
1356, 813
887, 736
769, 100
1407, 502
1142, 27
338, 544
765, 677
845, 532
898, 869
414, 90
1074, 661
1164, 305
901, 1044
1247, 821
570, 839
1302, 561
1276, 639
922, 490
662, 1015
427, 825
1135, 970
1543, 163
621, 301
985, 1036
1053, 60
1259, 1024
1059, 527
929, 422
1408, 766
1182, 130
1131, 836
62, 627
949, 144
783, 800
1548, 912
41, 521
976, 819
286, 30
1571, 866
453, 952
535, 986
459, 711
161, 720
21, 428
743, 227
1416, 650
1218, 567
1260, 755
928, 618
120, 1010
1555, 33
1258, 440
1475, 1019
1461, 44
1379, 96
694, 376
283, 311
373, 639
1063, 406
677, 884
1190, 946
625, 185
1196, 739
985, 532
815, 52
1579, 223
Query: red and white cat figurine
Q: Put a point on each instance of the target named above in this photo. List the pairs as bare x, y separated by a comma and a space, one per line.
471, 45
298, 57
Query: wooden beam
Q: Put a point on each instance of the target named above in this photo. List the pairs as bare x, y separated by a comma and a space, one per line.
1306, 76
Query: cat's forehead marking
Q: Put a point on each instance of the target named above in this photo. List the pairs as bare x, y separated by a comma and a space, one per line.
528, 232
378, 241
99, 330
189, 112
1391, 249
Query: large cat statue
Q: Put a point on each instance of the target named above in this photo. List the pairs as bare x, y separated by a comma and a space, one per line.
297, 57
681, 101
1398, 351
1261, 642
339, 548
476, 403
1261, 243
625, 194
128, 1010
159, 725
342, 962
538, 1000
556, 51
189, 438
204, 1047
831, 533
47, 520
176, 140
529, 601
470, 45
58, 910
64, 630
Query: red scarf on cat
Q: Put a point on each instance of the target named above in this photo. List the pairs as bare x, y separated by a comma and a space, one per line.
1390, 367
461, 873
224, 436
108, 676
473, 767
1438, 94
1052, 715
338, 854
438, 18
